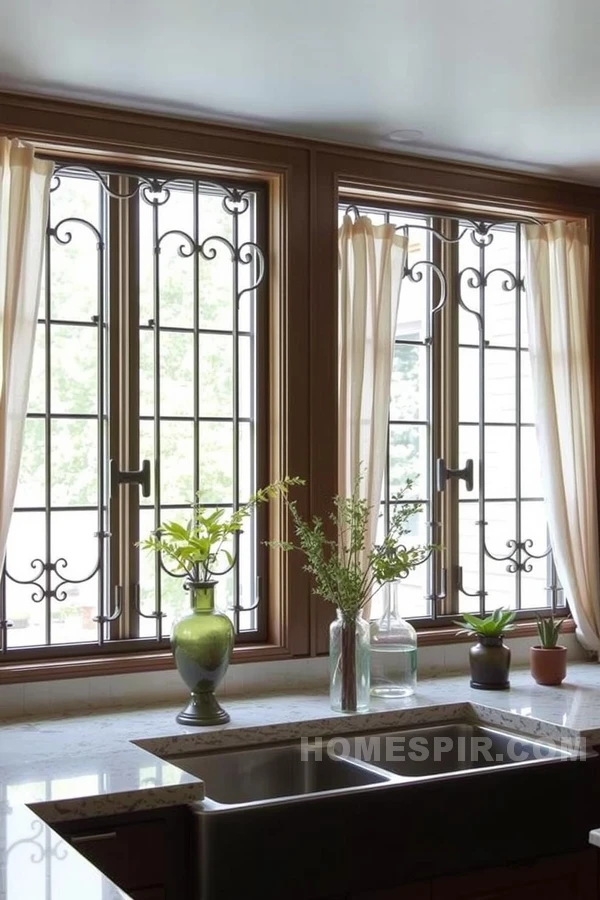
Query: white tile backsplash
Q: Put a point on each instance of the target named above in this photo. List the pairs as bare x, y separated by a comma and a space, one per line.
146, 688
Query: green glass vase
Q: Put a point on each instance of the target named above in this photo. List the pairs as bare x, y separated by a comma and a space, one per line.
202, 642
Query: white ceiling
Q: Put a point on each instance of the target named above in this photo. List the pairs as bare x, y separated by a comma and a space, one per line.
509, 82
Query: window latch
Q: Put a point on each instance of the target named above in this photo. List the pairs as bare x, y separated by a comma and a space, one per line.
133, 476
443, 473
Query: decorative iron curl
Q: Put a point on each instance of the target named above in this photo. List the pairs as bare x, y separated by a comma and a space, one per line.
68, 235
235, 202
520, 558
182, 251
510, 282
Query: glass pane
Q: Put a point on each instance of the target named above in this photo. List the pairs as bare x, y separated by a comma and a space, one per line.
216, 461
74, 349
147, 452
501, 528
72, 619
415, 587
74, 462
500, 461
531, 481
413, 311
148, 591
247, 378
216, 360
468, 444
176, 260
409, 459
26, 543
534, 583
175, 601
500, 309
216, 274
468, 536
74, 270
32, 477
176, 374
500, 386
408, 398
246, 569
469, 265
469, 387
37, 384
247, 463
527, 401
73, 539
146, 373
177, 462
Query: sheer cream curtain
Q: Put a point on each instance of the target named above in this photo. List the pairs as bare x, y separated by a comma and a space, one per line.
24, 192
556, 257
372, 260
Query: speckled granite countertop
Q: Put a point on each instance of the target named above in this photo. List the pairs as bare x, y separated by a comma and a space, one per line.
105, 763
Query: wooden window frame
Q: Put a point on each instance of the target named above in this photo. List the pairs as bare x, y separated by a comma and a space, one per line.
304, 179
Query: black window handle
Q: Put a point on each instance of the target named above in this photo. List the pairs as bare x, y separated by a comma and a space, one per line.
443, 473
133, 476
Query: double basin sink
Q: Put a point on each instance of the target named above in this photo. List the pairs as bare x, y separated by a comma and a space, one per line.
285, 772
315, 814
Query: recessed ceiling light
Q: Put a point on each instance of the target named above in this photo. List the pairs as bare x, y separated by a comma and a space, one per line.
405, 135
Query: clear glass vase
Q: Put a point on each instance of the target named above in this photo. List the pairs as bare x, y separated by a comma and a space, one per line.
349, 663
393, 649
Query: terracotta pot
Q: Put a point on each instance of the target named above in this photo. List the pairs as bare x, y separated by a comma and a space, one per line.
548, 665
489, 659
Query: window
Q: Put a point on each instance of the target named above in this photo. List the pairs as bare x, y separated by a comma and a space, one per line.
149, 381
461, 391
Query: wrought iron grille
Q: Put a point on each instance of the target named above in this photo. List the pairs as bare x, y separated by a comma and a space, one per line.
147, 382
461, 406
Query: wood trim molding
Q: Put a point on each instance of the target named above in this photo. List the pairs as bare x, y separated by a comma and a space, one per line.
109, 128
119, 664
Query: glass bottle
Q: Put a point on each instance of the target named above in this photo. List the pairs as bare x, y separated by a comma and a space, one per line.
349, 663
393, 649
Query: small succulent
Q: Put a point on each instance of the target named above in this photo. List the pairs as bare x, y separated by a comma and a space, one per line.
549, 630
501, 620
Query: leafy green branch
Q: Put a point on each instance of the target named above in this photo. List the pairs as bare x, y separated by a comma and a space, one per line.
198, 548
341, 573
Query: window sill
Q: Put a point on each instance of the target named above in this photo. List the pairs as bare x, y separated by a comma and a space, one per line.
430, 637
119, 664
161, 660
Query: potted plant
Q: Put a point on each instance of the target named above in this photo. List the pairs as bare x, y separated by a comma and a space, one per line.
348, 576
548, 660
489, 658
202, 641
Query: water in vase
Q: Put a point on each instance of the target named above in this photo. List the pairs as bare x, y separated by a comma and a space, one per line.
393, 670
393, 648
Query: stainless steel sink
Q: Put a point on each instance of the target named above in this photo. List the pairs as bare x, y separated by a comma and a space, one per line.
296, 801
266, 773
449, 749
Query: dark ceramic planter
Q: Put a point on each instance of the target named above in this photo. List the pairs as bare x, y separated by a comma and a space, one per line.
489, 659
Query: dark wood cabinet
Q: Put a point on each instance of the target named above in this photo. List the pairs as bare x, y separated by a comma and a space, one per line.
420, 891
572, 876
149, 894
146, 854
